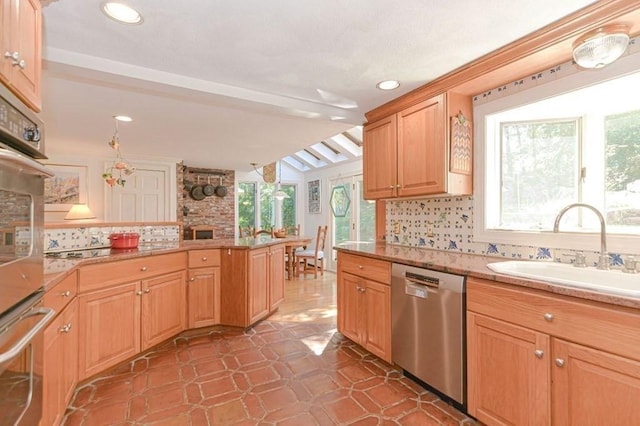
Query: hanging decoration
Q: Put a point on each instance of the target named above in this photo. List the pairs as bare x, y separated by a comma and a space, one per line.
116, 173
339, 201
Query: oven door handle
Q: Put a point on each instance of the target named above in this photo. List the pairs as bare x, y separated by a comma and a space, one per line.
28, 337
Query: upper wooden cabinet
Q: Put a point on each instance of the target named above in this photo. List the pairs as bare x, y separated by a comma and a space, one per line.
409, 153
21, 43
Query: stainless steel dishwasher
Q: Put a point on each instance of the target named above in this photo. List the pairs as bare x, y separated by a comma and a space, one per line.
428, 328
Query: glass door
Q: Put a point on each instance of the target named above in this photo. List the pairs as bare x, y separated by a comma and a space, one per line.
353, 218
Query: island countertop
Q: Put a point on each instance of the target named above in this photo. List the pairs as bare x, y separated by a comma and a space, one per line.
473, 265
56, 269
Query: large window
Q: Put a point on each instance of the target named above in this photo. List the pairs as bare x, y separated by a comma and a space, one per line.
543, 154
258, 208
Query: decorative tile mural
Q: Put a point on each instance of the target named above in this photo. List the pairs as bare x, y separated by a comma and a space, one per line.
447, 224
94, 236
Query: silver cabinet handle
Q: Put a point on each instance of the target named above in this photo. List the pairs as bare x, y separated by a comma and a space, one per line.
398, 186
138, 293
192, 279
560, 362
26, 339
65, 328
204, 258
66, 294
147, 291
20, 64
539, 353
548, 317
144, 268
391, 187
360, 267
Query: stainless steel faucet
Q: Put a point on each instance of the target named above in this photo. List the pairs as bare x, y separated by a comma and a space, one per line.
603, 260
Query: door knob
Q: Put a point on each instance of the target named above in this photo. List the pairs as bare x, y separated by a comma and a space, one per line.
560, 362
548, 317
539, 353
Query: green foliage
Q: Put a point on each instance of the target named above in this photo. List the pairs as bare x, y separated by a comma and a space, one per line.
622, 150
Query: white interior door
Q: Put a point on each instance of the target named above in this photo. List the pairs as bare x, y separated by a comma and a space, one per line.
142, 199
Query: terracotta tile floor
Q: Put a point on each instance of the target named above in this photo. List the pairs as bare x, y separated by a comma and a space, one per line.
292, 369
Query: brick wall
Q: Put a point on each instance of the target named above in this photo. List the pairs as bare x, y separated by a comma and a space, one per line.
213, 210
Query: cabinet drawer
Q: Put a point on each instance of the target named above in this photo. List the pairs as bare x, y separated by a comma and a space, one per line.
365, 267
612, 328
204, 258
62, 293
102, 275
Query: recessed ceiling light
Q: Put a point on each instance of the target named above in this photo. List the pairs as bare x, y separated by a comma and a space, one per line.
121, 12
388, 85
123, 118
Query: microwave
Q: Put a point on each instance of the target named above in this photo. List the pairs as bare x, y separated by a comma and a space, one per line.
20, 128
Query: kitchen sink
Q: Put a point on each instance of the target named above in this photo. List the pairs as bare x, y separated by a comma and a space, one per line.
606, 281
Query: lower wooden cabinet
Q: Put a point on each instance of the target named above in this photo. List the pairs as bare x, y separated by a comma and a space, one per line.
203, 297
364, 305
252, 284
536, 358
60, 364
119, 322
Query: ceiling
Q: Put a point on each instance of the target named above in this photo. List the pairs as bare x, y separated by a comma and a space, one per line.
222, 84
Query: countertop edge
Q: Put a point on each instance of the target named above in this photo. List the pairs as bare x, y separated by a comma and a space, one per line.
476, 267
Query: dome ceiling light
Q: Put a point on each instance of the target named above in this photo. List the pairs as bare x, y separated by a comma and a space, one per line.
601, 46
121, 12
388, 85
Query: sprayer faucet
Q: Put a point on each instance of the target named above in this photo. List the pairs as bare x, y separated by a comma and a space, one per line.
603, 260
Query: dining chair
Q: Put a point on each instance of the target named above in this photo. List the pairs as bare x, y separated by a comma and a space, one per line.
263, 232
293, 230
312, 259
246, 231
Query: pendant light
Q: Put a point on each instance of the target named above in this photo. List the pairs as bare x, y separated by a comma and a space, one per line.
280, 194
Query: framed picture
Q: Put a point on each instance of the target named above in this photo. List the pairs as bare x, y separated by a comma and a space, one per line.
313, 190
67, 187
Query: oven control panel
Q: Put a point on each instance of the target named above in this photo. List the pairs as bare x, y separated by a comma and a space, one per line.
20, 130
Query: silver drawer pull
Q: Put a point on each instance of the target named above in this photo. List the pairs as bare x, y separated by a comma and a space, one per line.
548, 317
147, 291
192, 279
360, 267
539, 353
65, 328
66, 294
144, 268
204, 258
560, 362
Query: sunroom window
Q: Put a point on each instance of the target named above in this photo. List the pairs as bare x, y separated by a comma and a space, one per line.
548, 148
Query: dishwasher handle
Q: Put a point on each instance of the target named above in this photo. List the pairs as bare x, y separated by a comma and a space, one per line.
422, 280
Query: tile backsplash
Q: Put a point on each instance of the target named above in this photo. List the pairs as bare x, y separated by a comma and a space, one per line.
95, 236
447, 224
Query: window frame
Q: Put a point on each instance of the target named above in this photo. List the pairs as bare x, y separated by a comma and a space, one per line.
618, 243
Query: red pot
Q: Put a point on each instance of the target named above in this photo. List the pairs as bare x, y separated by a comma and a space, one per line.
124, 240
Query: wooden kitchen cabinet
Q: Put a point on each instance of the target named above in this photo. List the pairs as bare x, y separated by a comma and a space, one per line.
538, 358
407, 154
60, 371
128, 306
21, 43
364, 302
252, 284
203, 288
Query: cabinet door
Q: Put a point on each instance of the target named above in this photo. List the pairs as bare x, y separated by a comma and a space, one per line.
422, 161
60, 364
22, 34
163, 308
379, 159
508, 373
203, 294
377, 336
350, 310
109, 327
592, 387
276, 276
258, 291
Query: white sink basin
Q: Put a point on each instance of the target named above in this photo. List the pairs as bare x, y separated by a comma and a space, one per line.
613, 281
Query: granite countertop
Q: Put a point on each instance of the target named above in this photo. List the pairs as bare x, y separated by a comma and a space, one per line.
474, 266
56, 269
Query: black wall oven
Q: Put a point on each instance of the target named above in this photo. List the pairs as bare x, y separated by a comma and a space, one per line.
22, 316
